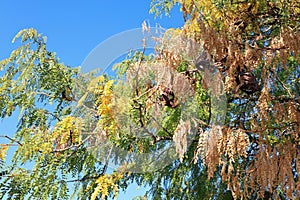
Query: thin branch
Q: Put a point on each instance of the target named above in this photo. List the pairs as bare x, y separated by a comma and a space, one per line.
83, 178
164, 129
73, 146
11, 139
10, 145
85, 106
283, 85
44, 93
107, 160
151, 91
53, 115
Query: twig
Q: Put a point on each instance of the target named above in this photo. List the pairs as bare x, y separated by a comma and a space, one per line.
83, 179
283, 85
44, 93
73, 146
53, 115
11, 139
151, 91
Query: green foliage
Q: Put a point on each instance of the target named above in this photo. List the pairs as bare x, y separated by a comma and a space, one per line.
159, 7
33, 75
40, 87
184, 180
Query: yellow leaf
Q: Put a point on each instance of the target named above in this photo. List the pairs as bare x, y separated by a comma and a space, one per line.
104, 184
3, 151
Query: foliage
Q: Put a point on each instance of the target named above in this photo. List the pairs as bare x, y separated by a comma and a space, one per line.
260, 37
48, 137
71, 125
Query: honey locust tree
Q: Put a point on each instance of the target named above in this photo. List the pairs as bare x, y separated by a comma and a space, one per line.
161, 99
255, 45
71, 125
51, 145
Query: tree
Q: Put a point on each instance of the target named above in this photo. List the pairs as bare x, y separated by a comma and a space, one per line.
252, 47
260, 38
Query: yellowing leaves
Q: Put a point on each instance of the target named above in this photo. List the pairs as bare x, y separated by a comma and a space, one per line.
105, 184
26, 34
193, 27
105, 99
67, 131
96, 85
105, 108
3, 151
102, 90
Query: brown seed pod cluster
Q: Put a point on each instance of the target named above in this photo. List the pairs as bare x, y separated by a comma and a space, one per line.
247, 82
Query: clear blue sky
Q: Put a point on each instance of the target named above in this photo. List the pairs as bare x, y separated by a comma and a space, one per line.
73, 29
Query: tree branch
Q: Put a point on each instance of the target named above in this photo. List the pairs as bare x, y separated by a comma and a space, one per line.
11, 139
73, 146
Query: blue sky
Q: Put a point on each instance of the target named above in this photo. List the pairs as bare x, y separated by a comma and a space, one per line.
74, 29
